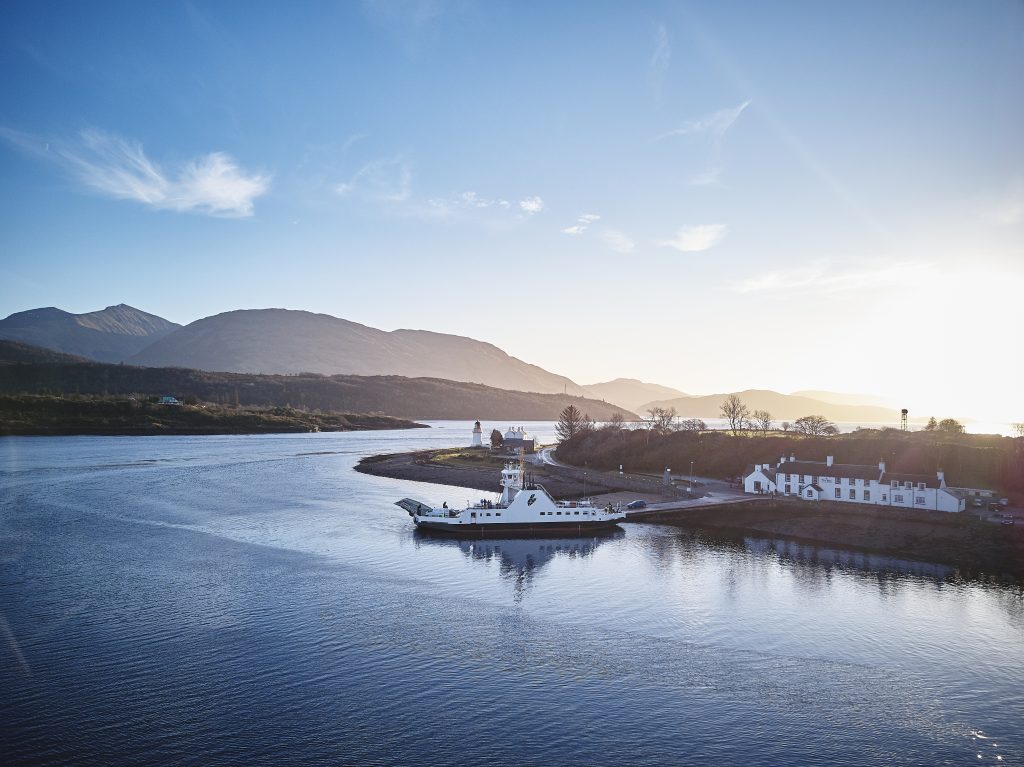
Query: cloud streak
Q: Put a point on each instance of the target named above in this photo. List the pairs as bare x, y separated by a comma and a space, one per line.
660, 59
821, 278
387, 180
531, 205
583, 222
692, 239
715, 124
212, 184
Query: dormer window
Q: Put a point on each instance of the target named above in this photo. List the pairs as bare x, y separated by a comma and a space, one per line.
906, 485
895, 485
920, 485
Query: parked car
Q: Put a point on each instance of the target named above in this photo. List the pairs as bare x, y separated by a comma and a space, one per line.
638, 504
1004, 501
1007, 519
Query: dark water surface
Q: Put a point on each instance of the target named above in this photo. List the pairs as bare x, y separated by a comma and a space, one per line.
252, 600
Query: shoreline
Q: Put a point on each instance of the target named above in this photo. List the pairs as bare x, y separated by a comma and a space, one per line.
960, 540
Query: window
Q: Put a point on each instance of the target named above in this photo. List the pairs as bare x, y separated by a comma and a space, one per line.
897, 499
906, 485
867, 495
757, 486
576, 513
558, 513
488, 513
919, 500
789, 489
838, 493
884, 497
853, 494
895, 484
497, 513
920, 485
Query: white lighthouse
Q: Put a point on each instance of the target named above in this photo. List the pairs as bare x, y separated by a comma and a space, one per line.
477, 434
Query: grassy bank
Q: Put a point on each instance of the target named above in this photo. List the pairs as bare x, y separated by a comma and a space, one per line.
962, 540
52, 415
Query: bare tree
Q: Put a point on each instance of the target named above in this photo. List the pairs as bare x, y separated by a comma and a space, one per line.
662, 419
762, 420
617, 421
693, 424
734, 411
815, 426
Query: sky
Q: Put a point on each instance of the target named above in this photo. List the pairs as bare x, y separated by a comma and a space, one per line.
710, 196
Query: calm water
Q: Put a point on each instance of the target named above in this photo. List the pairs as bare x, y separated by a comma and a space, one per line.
252, 600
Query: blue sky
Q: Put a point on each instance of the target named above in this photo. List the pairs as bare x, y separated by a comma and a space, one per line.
711, 196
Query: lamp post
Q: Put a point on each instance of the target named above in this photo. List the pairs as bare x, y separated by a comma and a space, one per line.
584, 484
691, 478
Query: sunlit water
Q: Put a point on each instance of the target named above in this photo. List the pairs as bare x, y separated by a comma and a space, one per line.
252, 600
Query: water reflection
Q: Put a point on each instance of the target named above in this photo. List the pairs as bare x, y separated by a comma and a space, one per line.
519, 559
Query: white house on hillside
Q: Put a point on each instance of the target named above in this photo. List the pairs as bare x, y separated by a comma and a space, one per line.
851, 483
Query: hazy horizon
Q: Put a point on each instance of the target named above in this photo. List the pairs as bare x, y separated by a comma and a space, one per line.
708, 198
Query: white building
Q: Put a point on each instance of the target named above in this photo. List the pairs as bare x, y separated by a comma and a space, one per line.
477, 436
852, 483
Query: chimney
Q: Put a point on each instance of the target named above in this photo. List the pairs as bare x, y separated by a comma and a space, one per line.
792, 457
828, 461
881, 466
942, 479
782, 460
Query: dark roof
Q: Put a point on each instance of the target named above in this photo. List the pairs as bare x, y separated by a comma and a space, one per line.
820, 469
930, 480
814, 486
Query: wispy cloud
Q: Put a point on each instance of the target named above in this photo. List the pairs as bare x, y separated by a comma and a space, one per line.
823, 277
386, 180
465, 201
531, 205
691, 239
713, 127
658, 67
583, 221
115, 167
617, 241
716, 124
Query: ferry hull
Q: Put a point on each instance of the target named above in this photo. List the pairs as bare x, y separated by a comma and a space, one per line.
518, 529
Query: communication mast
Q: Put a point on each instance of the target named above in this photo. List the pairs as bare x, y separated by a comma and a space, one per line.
903, 419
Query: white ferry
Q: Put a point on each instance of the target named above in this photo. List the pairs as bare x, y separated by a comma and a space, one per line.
523, 508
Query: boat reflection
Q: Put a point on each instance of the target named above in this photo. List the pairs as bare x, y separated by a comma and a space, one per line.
519, 559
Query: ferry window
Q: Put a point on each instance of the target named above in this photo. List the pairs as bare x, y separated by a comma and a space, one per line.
488, 513
577, 513
558, 513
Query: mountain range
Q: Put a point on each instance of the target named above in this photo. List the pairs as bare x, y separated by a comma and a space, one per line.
291, 342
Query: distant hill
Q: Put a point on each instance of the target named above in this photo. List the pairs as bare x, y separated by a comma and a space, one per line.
417, 398
287, 341
109, 335
631, 393
838, 398
783, 407
14, 353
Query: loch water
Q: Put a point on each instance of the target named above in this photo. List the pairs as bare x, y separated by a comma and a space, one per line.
253, 600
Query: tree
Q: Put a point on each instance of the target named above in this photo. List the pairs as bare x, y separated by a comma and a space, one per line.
932, 424
735, 412
786, 426
815, 426
951, 426
1018, 429
572, 422
617, 421
693, 424
662, 419
762, 420
497, 440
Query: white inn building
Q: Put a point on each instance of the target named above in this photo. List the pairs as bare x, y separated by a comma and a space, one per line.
851, 483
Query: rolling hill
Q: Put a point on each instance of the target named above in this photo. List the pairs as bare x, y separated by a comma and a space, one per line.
630, 393
108, 335
418, 398
283, 341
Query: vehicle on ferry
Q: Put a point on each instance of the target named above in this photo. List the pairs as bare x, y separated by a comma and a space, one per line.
524, 508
